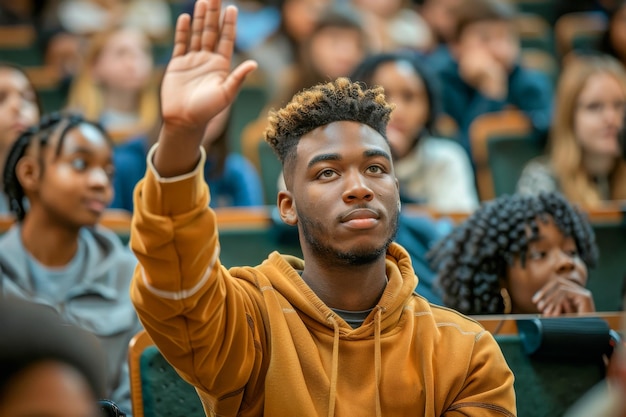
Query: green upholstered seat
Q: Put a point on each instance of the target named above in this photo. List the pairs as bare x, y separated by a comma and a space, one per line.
165, 393
546, 388
507, 156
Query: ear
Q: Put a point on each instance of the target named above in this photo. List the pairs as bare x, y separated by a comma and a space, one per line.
28, 172
287, 208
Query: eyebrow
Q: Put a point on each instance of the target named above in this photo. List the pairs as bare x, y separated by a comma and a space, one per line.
85, 150
336, 157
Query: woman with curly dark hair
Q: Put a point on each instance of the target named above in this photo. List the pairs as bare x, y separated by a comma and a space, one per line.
518, 254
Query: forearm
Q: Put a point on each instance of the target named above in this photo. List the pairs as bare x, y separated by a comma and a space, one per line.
178, 152
187, 302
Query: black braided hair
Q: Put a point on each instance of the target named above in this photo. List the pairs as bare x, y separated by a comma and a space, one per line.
48, 125
472, 259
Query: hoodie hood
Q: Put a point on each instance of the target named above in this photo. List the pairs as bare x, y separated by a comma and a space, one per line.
281, 271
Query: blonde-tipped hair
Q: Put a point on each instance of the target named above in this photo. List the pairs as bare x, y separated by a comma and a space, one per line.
323, 104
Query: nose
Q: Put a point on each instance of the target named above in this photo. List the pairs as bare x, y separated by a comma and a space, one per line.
98, 178
565, 263
15, 102
356, 187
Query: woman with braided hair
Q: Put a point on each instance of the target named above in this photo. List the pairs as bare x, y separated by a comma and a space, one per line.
518, 254
58, 180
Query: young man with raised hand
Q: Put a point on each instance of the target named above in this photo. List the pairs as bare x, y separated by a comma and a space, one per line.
339, 333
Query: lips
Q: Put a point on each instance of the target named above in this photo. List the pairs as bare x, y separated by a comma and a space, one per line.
360, 214
96, 205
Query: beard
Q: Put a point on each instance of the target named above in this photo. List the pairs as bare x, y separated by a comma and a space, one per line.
357, 256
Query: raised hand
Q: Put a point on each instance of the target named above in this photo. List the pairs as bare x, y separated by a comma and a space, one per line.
198, 83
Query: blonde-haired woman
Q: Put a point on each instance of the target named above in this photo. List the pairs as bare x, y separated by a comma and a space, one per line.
585, 159
116, 84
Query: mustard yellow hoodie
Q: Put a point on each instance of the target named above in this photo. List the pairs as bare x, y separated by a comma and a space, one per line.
256, 341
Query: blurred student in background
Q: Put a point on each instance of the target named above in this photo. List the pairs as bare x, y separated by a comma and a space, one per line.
394, 25
432, 171
518, 254
585, 157
481, 70
613, 40
58, 179
233, 180
20, 108
47, 366
116, 85
336, 45
279, 51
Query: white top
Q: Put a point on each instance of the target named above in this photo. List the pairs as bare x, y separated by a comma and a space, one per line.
438, 171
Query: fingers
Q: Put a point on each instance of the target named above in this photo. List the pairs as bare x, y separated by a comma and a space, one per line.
197, 25
233, 83
181, 37
211, 26
205, 32
226, 43
563, 296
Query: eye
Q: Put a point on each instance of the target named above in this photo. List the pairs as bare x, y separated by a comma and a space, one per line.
326, 173
594, 106
536, 255
375, 169
79, 164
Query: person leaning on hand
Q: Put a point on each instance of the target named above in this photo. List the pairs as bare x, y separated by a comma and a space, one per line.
339, 333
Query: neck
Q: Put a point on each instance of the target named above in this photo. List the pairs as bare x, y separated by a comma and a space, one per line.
47, 241
350, 288
121, 100
598, 165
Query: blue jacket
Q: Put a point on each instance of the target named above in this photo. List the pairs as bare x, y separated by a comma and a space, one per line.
239, 184
529, 91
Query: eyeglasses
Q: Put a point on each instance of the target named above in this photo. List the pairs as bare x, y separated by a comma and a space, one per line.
109, 409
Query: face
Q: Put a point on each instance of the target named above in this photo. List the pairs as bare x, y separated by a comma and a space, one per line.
550, 256
337, 51
125, 63
404, 88
75, 186
18, 106
440, 16
301, 16
497, 38
599, 115
48, 389
343, 194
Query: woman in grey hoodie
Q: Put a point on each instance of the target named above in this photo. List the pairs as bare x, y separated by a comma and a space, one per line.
58, 180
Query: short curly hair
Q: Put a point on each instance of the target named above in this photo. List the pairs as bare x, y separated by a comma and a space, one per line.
322, 104
472, 259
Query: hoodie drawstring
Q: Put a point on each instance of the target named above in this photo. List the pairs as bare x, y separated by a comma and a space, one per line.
377, 357
334, 368
335, 362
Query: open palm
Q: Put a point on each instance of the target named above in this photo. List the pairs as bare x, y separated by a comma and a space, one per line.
198, 83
